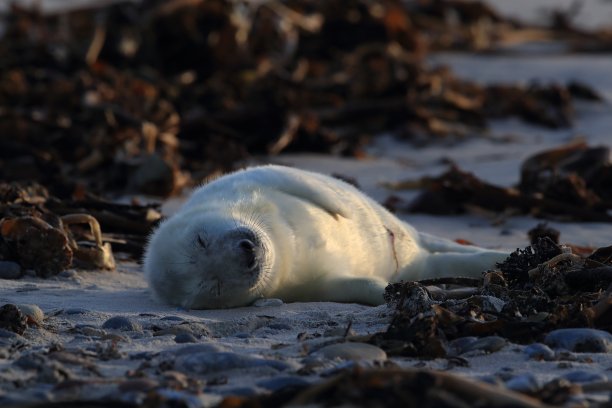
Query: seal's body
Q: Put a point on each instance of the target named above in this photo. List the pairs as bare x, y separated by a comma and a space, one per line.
279, 232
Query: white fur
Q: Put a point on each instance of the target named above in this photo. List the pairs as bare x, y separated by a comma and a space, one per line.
318, 239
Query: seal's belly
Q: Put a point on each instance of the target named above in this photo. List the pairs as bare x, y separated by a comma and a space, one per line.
363, 245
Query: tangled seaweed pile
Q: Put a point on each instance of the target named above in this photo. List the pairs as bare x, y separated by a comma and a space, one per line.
147, 96
541, 288
571, 182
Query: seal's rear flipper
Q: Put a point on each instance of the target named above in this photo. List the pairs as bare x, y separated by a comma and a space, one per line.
443, 264
435, 244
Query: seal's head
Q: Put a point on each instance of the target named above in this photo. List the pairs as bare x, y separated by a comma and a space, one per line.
204, 261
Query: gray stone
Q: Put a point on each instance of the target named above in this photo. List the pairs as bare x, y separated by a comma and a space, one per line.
525, 383
10, 270
539, 351
580, 340
278, 383
215, 362
121, 323
460, 344
489, 344
185, 338
352, 351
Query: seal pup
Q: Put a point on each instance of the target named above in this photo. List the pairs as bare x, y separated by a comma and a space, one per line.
279, 232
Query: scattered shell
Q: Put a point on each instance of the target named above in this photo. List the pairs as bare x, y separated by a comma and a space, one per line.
580, 340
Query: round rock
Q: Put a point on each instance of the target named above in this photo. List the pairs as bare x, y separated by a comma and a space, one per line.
214, 362
352, 351
10, 270
525, 383
121, 323
580, 340
539, 351
185, 338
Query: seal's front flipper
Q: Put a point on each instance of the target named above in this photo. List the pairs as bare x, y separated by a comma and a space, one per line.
302, 185
368, 291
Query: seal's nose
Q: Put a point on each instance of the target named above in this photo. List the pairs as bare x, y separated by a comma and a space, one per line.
248, 251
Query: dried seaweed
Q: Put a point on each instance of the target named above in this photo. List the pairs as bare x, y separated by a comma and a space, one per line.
149, 97
535, 290
570, 182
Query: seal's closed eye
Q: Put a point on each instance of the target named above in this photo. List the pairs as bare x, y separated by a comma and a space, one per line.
201, 242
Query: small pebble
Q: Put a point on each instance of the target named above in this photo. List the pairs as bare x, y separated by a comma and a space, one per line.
68, 273
580, 340
215, 362
268, 302
10, 270
583, 376
352, 351
539, 351
526, 383
185, 338
460, 344
278, 383
121, 323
